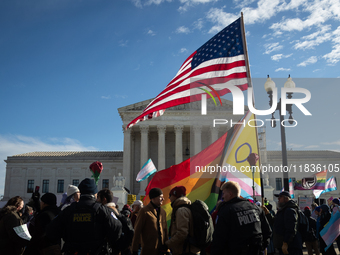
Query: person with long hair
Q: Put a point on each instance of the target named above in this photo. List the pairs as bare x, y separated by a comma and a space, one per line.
10, 242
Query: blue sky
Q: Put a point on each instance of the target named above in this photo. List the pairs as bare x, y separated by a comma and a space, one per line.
66, 66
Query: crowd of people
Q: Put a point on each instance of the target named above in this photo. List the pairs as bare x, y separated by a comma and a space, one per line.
87, 221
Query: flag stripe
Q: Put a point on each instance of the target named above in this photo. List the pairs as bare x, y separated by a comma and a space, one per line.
221, 57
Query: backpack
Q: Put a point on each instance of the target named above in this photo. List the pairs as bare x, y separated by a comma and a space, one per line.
203, 225
125, 239
303, 225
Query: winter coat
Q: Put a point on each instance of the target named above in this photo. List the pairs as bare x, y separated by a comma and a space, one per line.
38, 230
80, 230
10, 242
181, 226
285, 227
241, 227
148, 228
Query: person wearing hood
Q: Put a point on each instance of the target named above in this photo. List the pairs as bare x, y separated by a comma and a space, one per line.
286, 237
73, 195
10, 242
325, 215
181, 223
48, 211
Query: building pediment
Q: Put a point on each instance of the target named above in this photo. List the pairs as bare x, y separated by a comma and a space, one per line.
129, 112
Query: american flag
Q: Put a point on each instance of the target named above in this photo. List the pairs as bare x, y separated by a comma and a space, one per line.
219, 61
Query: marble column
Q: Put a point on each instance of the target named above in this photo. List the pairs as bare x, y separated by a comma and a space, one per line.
197, 139
161, 147
127, 169
144, 130
213, 134
179, 143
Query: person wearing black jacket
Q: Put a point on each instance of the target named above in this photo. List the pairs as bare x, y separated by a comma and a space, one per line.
311, 239
286, 238
241, 227
37, 227
325, 216
86, 226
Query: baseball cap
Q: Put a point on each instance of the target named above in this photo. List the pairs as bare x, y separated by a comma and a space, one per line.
283, 193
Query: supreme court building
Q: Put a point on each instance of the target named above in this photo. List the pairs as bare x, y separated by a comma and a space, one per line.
168, 140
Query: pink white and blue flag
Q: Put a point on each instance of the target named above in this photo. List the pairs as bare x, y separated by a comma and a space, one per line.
332, 230
329, 186
147, 170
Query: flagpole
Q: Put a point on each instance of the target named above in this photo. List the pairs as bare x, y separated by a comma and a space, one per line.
250, 84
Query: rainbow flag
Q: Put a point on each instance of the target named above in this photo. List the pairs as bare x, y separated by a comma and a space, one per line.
199, 185
242, 143
200, 174
316, 181
330, 186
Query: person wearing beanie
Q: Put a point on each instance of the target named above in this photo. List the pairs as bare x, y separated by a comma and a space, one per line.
151, 227
181, 222
86, 226
136, 206
73, 195
37, 228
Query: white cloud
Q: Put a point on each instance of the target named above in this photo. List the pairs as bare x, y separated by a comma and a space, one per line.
270, 47
314, 39
198, 24
18, 144
182, 30
157, 2
123, 43
277, 57
309, 61
264, 11
220, 18
294, 145
334, 56
150, 32
189, 3
312, 146
183, 50
332, 143
319, 11
137, 3
106, 97
282, 69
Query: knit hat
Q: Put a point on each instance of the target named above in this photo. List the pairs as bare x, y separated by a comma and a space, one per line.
336, 201
306, 208
71, 190
49, 198
318, 208
88, 186
127, 207
138, 202
155, 192
178, 191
